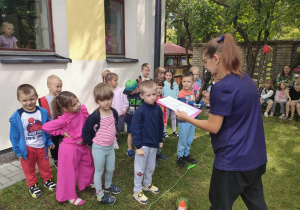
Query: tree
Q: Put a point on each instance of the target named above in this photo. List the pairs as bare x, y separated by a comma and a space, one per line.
195, 21
255, 21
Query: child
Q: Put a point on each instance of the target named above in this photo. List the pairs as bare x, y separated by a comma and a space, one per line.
134, 99
293, 95
159, 87
186, 130
147, 132
7, 40
54, 85
145, 73
119, 102
280, 98
197, 81
29, 141
170, 89
103, 74
160, 74
75, 159
99, 131
266, 94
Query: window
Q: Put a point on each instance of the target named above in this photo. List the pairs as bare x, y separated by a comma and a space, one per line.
26, 24
114, 27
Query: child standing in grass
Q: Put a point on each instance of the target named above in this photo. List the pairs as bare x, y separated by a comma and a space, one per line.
29, 141
147, 132
197, 81
266, 94
99, 131
119, 102
75, 158
170, 89
280, 98
145, 73
54, 85
134, 99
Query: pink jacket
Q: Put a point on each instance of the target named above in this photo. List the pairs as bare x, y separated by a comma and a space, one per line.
120, 102
71, 123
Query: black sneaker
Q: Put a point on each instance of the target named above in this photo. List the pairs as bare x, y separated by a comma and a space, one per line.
112, 189
55, 163
166, 135
161, 156
50, 185
35, 191
175, 133
106, 199
189, 159
180, 162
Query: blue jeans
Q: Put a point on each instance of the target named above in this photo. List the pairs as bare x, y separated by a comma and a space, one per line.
186, 137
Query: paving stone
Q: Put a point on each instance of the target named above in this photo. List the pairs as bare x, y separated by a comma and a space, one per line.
18, 177
12, 168
5, 172
4, 180
4, 165
16, 173
17, 163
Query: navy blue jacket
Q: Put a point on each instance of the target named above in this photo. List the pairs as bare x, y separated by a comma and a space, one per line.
147, 126
92, 125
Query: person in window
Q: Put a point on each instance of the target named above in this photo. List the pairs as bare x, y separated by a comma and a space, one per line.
7, 40
107, 39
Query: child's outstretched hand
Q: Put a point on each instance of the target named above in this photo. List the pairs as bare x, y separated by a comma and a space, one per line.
140, 151
51, 147
66, 135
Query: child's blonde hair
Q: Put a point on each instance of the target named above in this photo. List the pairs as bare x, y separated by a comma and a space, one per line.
51, 78
4, 24
158, 71
268, 81
148, 84
144, 65
194, 68
63, 100
110, 77
102, 92
104, 73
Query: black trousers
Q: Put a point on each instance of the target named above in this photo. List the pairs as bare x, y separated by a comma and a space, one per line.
227, 186
56, 141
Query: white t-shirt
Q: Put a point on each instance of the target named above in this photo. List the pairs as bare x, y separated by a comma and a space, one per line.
32, 127
49, 100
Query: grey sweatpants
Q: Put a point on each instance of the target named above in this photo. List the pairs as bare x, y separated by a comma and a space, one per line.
144, 168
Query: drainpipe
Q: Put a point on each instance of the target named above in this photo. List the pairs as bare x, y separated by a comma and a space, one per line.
157, 34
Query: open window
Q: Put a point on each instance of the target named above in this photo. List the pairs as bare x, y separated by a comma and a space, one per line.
114, 27
31, 23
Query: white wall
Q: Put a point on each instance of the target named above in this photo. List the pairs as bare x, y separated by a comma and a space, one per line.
80, 77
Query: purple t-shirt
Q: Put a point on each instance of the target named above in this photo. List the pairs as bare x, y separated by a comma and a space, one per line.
7, 42
240, 143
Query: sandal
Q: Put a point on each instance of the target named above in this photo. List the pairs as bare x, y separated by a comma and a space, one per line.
77, 201
285, 117
291, 118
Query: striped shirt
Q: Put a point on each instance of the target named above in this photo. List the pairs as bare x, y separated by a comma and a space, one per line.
106, 135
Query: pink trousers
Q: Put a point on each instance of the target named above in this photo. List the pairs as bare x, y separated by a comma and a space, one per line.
75, 166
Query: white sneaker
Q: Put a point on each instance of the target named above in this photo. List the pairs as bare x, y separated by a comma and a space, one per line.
266, 114
282, 116
140, 197
271, 114
116, 145
151, 188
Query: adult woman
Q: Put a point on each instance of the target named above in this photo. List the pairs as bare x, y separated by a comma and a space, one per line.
286, 76
236, 127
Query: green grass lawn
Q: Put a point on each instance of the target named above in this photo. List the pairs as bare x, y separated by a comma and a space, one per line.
281, 181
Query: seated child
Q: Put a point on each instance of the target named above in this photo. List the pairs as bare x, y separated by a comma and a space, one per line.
99, 131
29, 141
280, 98
7, 40
147, 133
134, 99
266, 94
293, 102
145, 73
54, 85
160, 85
186, 130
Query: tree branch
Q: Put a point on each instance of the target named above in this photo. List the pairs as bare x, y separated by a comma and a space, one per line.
220, 3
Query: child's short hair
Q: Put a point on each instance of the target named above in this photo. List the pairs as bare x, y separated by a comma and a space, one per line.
147, 85
194, 68
102, 92
52, 77
110, 76
187, 74
144, 65
159, 82
268, 81
104, 73
4, 24
26, 89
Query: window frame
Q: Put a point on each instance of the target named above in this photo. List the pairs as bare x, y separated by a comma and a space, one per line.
25, 51
122, 55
